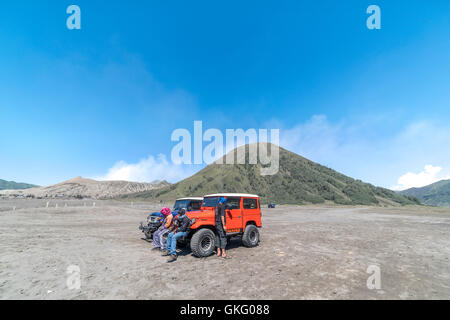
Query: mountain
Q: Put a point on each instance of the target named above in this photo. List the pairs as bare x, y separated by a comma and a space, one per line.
11, 185
299, 181
436, 194
85, 188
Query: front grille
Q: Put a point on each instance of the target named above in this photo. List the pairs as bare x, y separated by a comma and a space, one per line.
152, 227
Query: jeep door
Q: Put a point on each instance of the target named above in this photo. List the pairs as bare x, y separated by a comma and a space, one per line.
234, 214
251, 211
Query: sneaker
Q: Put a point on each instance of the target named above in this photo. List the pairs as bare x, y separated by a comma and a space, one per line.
172, 258
165, 253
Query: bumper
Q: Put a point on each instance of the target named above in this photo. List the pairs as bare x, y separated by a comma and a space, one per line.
151, 227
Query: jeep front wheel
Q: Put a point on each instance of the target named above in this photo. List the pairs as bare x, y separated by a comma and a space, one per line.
148, 235
203, 243
251, 236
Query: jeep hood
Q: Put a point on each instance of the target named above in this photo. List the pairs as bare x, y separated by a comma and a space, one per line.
199, 213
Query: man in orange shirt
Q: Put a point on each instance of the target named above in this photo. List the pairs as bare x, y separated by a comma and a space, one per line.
158, 236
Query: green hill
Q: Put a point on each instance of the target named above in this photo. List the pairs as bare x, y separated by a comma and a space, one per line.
11, 185
299, 181
436, 194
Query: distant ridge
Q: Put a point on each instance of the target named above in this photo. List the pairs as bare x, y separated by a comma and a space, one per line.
436, 194
299, 181
12, 185
85, 188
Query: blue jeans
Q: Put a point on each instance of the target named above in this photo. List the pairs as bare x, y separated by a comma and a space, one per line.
172, 238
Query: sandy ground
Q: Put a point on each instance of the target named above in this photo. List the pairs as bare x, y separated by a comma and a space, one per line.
305, 253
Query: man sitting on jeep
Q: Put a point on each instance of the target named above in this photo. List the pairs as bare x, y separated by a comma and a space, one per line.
158, 236
181, 228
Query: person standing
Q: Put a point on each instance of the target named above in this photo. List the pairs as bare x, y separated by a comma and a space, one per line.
158, 236
221, 228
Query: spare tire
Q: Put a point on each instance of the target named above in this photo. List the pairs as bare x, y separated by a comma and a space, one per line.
251, 236
203, 243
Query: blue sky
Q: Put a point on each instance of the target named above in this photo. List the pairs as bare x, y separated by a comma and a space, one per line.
373, 104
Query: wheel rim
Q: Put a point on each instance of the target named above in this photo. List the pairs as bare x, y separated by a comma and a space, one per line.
206, 243
253, 236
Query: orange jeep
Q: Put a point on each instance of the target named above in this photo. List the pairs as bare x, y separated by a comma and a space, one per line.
243, 218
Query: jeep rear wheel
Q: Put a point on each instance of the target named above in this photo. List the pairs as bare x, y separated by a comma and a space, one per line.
251, 236
203, 243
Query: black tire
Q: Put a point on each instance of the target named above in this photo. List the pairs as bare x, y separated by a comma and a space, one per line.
251, 236
203, 243
148, 235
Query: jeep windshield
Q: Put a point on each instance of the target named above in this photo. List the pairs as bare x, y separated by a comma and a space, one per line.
181, 204
210, 202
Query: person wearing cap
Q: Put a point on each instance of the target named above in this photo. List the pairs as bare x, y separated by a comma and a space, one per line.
158, 236
181, 229
220, 219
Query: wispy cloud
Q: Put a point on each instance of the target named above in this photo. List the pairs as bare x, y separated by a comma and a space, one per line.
148, 170
378, 150
429, 175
